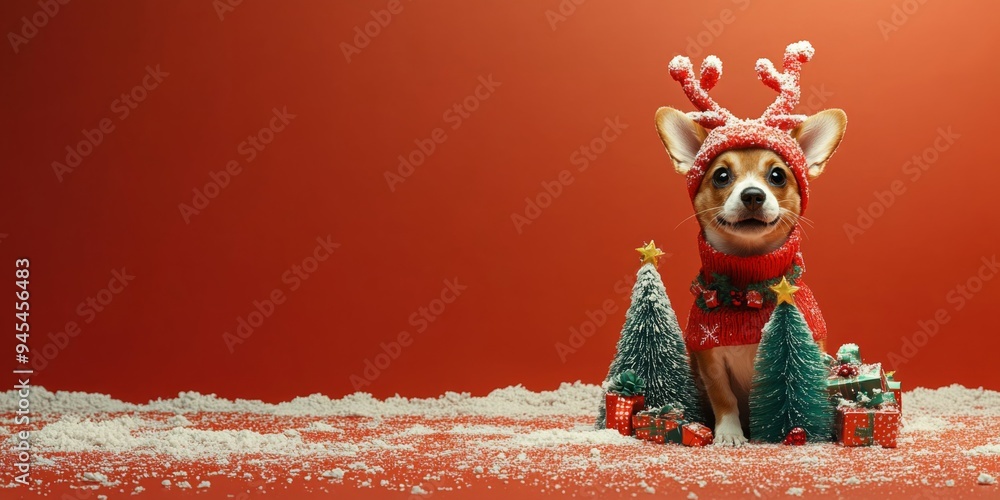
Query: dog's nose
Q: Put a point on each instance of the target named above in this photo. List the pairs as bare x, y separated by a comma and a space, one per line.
753, 198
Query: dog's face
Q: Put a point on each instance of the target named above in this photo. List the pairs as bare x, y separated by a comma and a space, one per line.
748, 201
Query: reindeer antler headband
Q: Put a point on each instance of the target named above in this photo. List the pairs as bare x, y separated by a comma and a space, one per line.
770, 130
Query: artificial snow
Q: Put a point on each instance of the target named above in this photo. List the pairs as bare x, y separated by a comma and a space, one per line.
540, 439
925, 423
322, 427
986, 449
576, 399
337, 473
96, 477
118, 435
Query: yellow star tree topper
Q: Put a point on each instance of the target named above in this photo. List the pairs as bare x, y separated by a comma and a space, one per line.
785, 290
650, 254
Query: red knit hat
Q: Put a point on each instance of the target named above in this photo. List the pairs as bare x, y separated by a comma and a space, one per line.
726, 131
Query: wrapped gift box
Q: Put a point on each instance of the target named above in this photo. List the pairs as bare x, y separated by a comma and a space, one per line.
870, 379
642, 424
695, 434
849, 354
858, 425
668, 426
620, 409
895, 387
656, 425
668, 430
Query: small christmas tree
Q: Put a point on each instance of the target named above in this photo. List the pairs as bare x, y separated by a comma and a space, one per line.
652, 346
789, 387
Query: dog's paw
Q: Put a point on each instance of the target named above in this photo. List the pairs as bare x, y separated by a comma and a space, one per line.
729, 435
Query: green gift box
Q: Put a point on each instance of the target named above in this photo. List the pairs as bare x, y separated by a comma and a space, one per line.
850, 354
868, 381
894, 386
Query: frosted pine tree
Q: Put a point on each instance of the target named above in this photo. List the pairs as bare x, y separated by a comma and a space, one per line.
652, 345
789, 387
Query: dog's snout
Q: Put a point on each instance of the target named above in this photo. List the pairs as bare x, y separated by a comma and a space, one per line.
753, 198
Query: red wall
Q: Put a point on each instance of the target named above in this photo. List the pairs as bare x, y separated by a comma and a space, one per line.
901, 77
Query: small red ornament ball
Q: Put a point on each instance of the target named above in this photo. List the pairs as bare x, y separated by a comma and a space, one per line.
796, 437
848, 370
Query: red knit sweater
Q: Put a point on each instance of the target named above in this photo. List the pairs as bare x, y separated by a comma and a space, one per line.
731, 325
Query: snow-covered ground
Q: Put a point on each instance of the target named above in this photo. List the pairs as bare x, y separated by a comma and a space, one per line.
512, 440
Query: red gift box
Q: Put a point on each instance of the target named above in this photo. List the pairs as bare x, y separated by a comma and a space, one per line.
695, 434
667, 430
858, 426
670, 427
642, 424
619, 411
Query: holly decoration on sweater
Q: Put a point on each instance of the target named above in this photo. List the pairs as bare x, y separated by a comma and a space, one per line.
721, 292
651, 344
789, 387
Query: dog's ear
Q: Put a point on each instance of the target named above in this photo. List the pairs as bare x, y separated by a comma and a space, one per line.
818, 136
681, 136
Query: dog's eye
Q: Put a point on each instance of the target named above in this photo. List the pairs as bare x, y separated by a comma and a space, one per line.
776, 177
721, 178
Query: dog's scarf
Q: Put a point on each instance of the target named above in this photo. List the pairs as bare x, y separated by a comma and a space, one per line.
726, 324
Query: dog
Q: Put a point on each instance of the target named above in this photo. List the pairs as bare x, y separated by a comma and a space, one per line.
748, 180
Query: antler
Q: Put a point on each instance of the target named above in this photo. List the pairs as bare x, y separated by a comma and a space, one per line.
711, 114
779, 113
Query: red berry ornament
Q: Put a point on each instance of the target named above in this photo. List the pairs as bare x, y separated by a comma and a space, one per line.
796, 437
848, 370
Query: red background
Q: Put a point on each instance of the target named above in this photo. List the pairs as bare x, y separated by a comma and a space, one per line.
324, 175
